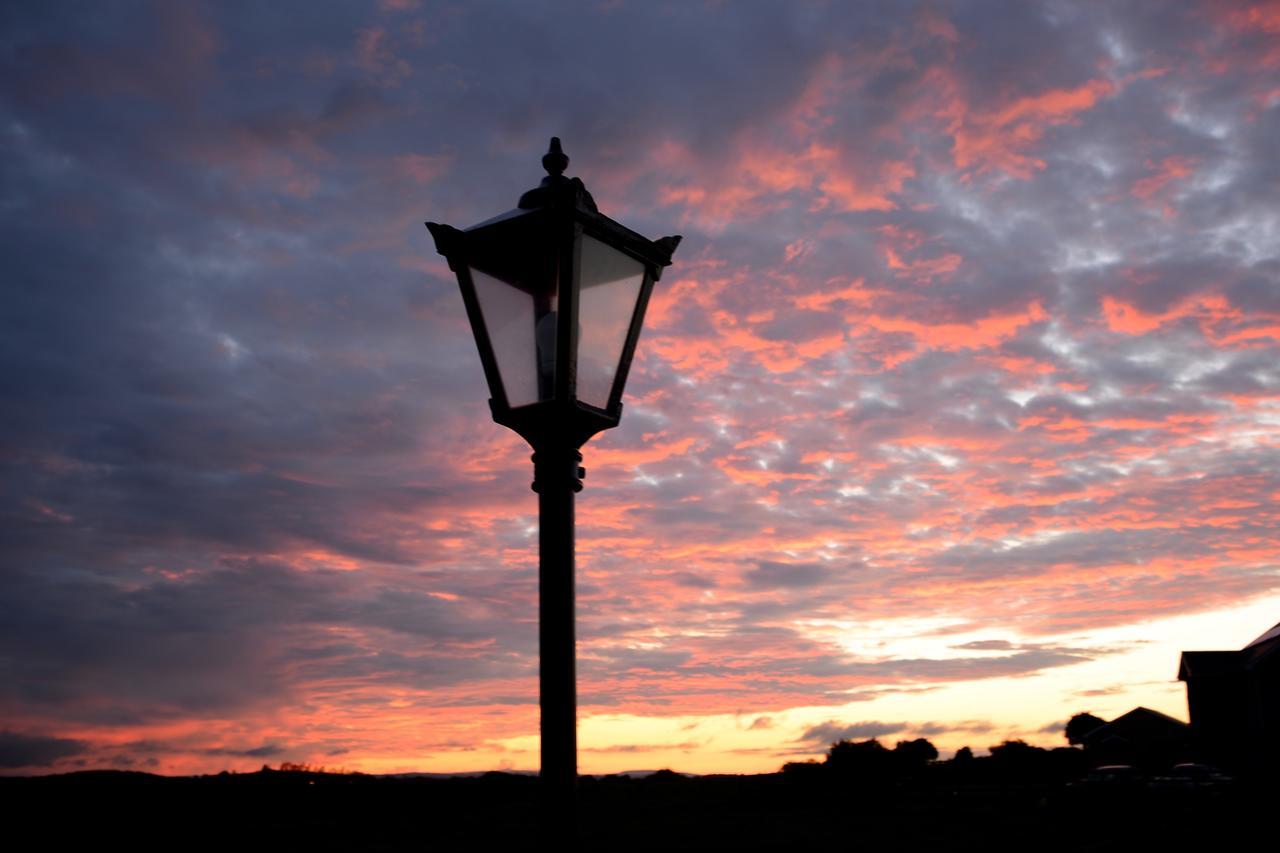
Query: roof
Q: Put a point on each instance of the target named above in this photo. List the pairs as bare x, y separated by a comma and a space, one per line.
1226, 663
1273, 634
1146, 716
1141, 725
1209, 663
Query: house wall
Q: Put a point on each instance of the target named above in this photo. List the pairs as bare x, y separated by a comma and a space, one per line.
1266, 707
1220, 707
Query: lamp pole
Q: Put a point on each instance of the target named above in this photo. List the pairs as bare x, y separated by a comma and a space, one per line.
556, 293
557, 476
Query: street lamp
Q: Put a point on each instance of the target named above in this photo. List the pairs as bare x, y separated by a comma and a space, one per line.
556, 293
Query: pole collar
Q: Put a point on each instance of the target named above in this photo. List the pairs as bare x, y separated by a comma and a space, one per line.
557, 469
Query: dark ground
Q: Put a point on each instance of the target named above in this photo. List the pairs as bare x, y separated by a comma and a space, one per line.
317, 811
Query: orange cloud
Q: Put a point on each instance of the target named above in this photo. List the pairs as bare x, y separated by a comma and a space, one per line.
925, 269
1126, 319
760, 176
650, 452
855, 292
1169, 169
1025, 366
979, 334
1260, 334
1220, 321
1264, 17
999, 138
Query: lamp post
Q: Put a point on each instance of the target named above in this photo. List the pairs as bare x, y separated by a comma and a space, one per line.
556, 293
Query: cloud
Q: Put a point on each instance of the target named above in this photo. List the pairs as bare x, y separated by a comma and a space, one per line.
932, 729
824, 734
987, 646
771, 575
227, 640
267, 750
685, 746
26, 750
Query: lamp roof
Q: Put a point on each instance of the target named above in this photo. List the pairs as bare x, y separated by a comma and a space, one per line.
557, 190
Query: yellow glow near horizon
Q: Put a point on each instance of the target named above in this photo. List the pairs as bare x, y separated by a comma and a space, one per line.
977, 713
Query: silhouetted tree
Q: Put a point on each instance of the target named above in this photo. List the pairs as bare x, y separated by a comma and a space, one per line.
912, 755
869, 761
960, 769
1080, 725
1017, 760
800, 766
807, 773
665, 777
1013, 750
865, 761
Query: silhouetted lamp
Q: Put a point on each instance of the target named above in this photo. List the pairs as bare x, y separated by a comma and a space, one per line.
556, 294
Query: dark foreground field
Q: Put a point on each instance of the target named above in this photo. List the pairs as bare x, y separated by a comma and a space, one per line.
316, 811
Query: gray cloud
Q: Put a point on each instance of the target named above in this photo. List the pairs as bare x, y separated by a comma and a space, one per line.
824, 734
930, 729
987, 646
267, 750
772, 575
27, 750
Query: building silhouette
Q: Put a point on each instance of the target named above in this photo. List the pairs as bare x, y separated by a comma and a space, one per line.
1233, 699
1142, 737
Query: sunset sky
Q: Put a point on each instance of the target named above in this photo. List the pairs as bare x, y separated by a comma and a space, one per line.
956, 415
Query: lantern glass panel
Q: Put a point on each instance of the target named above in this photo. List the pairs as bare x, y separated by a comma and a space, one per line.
608, 290
522, 330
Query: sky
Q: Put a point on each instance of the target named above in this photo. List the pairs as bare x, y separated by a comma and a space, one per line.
956, 414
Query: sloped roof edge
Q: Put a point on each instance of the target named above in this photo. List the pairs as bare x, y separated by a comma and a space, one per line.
1273, 634
1141, 711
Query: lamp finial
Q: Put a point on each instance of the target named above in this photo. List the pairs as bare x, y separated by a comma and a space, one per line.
555, 161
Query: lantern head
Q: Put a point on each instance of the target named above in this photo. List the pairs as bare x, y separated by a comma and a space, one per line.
556, 294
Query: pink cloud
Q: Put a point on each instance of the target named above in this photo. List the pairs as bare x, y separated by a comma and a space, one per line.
1002, 136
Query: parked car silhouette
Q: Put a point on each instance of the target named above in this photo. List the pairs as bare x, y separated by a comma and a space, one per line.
1109, 776
1192, 776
